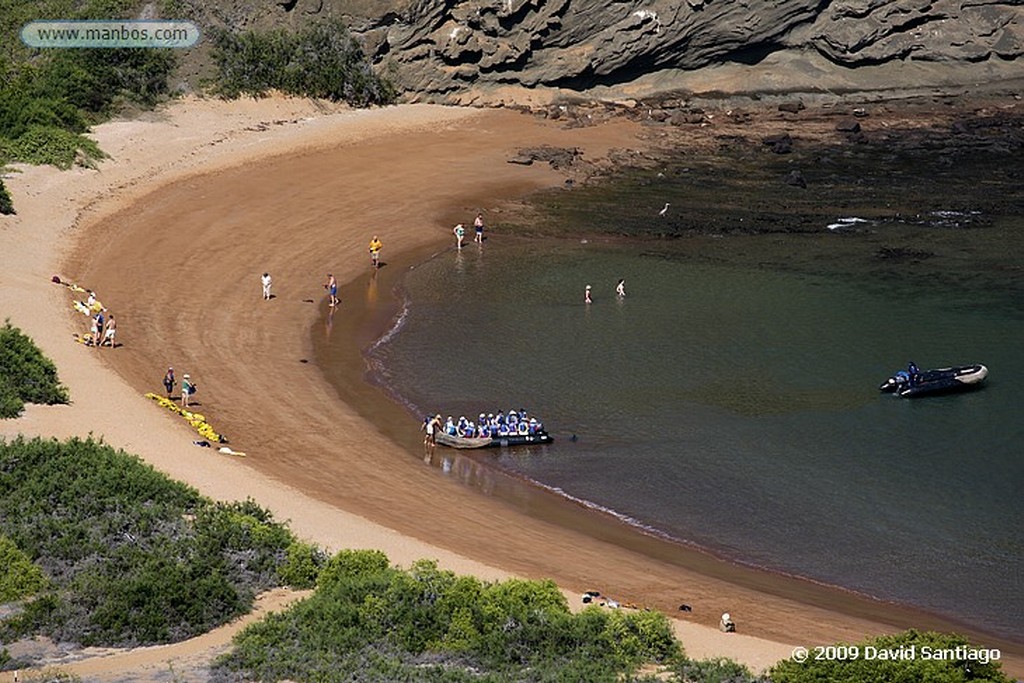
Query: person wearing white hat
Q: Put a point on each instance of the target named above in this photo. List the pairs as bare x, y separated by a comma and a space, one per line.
727, 625
187, 389
586, 295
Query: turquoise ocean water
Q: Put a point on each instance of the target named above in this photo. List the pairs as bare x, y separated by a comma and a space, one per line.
736, 408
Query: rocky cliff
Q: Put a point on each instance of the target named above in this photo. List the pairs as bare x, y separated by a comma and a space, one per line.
444, 49
441, 47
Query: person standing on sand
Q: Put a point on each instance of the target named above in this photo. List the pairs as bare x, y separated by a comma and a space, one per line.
266, 280
94, 330
109, 332
478, 227
460, 233
375, 246
586, 295
169, 381
620, 289
97, 329
332, 288
187, 389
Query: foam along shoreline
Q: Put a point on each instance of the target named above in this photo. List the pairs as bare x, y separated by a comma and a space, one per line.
179, 255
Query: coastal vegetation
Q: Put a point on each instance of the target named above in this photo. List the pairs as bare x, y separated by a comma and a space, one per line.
128, 556
19, 577
369, 620
909, 656
6, 205
318, 60
26, 375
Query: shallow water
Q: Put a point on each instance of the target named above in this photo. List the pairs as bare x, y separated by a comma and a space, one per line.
736, 408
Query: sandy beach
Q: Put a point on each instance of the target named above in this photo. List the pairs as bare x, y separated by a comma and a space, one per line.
173, 231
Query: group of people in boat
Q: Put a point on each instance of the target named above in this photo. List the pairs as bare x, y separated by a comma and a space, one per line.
489, 426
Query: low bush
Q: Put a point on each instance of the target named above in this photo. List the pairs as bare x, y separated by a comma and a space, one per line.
368, 620
301, 568
716, 670
25, 373
19, 578
11, 404
320, 60
131, 557
6, 205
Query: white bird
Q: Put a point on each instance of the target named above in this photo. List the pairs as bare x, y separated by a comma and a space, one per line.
665, 210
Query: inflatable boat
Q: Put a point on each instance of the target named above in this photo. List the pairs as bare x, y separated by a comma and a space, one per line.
453, 441
938, 381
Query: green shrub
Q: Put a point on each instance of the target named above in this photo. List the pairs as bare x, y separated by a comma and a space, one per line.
637, 637
23, 106
132, 557
11, 404
302, 565
27, 370
6, 205
918, 668
368, 620
19, 578
348, 565
94, 80
716, 670
320, 60
54, 146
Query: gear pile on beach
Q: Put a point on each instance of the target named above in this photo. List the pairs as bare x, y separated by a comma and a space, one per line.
197, 420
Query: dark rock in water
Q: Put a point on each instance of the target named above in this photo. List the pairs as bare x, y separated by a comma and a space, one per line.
792, 107
521, 159
902, 254
780, 144
795, 178
848, 126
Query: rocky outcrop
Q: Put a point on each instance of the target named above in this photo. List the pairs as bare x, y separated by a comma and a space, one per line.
439, 47
856, 32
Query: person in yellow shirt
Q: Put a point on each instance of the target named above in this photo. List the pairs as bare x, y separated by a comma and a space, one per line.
375, 247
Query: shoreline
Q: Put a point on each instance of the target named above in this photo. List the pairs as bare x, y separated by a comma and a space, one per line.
182, 314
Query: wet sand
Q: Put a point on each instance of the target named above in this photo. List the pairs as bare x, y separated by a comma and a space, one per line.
175, 245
